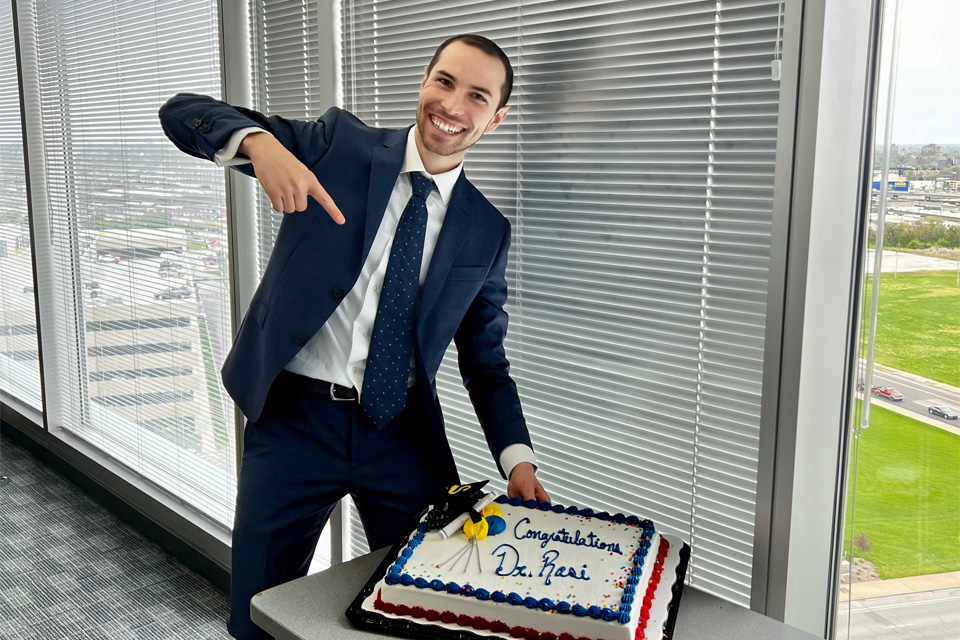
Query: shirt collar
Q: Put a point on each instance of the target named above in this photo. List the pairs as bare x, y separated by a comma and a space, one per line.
412, 162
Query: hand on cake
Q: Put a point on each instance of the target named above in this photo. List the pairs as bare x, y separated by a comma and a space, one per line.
524, 484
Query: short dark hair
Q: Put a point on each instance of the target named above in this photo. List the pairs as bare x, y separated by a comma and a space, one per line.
490, 48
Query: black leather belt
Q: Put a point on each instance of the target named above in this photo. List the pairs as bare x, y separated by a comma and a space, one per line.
332, 390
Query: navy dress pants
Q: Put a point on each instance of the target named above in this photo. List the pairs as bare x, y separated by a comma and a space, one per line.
305, 453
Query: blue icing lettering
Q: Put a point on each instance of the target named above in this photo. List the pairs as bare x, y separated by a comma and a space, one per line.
511, 566
564, 537
551, 568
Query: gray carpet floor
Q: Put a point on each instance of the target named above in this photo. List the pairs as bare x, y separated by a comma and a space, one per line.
69, 569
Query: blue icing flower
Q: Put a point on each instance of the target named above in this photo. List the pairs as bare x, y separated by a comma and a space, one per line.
498, 596
603, 515
394, 569
496, 525
630, 589
406, 553
406, 579
633, 579
625, 608
634, 520
392, 578
544, 505
531, 602
502, 499
545, 604
468, 589
454, 588
563, 607
530, 504
483, 594
609, 615
595, 612
516, 501
586, 512
571, 510
514, 598
624, 617
627, 598
557, 508
437, 585
619, 518
579, 610
422, 528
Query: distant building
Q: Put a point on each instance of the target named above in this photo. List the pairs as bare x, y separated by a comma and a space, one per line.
894, 183
930, 150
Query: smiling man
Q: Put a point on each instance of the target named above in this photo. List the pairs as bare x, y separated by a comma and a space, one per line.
335, 362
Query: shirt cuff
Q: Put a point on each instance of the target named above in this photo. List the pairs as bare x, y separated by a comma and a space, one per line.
227, 156
514, 455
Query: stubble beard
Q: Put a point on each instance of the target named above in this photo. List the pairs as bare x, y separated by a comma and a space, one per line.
423, 121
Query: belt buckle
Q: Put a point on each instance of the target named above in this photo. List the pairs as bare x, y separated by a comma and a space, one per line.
333, 396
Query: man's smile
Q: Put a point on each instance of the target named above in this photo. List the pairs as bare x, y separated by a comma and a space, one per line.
446, 127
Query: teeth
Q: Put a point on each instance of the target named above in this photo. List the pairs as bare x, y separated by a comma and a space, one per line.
445, 127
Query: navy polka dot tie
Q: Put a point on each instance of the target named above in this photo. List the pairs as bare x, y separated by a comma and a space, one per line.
388, 362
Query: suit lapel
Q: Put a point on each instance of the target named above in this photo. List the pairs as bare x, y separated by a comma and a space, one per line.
385, 167
453, 233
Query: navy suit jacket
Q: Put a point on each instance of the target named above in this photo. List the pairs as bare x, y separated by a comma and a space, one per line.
315, 262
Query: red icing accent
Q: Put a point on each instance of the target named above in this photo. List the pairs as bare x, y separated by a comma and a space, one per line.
481, 623
498, 627
418, 612
464, 620
517, 632
546, 635
402, 610
448, 616
566, 636
432, 614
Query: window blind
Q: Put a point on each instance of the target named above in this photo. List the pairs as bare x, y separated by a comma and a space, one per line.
636, 166
19, 355
136, 239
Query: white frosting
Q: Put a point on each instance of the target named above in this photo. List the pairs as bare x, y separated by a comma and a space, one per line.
586, 561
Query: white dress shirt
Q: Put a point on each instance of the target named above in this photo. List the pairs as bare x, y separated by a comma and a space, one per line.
338, 351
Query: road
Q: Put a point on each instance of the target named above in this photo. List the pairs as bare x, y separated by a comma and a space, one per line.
932, 615
917, 397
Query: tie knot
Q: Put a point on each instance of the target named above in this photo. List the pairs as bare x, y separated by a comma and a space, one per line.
422, 185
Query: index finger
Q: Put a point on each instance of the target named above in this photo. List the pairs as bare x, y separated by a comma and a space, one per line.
321, 196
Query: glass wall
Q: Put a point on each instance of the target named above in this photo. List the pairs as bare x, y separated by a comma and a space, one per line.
900, 574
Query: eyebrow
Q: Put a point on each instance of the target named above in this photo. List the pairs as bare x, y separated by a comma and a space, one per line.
474, 87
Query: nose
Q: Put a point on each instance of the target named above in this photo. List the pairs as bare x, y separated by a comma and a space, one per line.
453, 102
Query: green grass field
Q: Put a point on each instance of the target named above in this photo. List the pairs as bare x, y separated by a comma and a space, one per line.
918, 324
908, 475
908, 496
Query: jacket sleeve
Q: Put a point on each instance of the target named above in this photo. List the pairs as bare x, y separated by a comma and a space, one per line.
200, 126
483, 363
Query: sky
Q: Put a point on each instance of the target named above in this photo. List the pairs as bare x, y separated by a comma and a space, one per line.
927, 101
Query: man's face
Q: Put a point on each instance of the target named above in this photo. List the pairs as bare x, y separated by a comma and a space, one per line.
458, 103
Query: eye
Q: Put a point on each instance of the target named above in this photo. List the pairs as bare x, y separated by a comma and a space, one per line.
443, 81
480, 97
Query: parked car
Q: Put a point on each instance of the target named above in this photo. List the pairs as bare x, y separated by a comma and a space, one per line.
174, 293
171, 255
108, 257
942, 411
888, 392
91, 285
167, 270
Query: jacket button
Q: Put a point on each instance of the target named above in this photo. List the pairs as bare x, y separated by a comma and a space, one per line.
205, 128
337, 293
300, 339
197, 122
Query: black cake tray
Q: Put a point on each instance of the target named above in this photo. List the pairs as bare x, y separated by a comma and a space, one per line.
374, 621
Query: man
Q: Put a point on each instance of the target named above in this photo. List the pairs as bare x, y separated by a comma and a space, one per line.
336, 359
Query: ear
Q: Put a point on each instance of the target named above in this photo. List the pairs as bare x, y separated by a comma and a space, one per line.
497, 118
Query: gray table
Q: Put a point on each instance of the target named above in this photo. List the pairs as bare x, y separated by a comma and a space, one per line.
312, 608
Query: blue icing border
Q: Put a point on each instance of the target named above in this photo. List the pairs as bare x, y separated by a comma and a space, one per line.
396, 575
